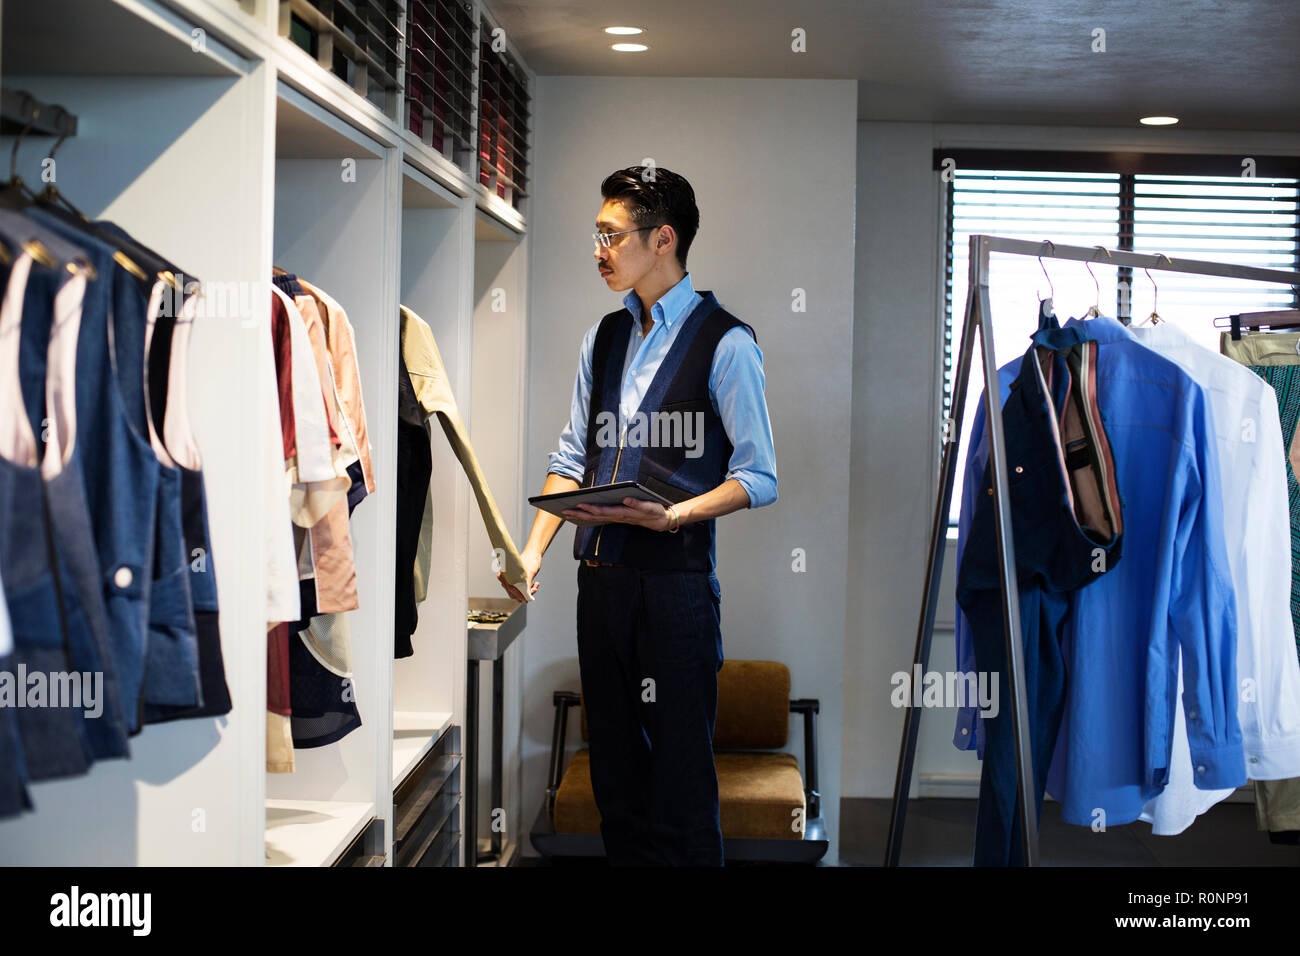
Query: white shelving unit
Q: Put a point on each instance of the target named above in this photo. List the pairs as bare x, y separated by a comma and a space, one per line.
414, 735
312, 832
437, 258
497, 428
222, 144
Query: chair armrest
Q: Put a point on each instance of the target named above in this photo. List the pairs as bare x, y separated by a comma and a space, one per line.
563, 700
809, 707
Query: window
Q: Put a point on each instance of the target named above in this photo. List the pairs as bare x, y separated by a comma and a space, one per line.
1185, 206
1229, 219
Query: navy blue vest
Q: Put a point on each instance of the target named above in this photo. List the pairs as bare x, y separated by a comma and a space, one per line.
656, 453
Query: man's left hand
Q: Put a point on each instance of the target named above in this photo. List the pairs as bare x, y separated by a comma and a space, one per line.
647, 514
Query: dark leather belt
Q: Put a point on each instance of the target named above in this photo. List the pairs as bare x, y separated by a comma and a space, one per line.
601, 564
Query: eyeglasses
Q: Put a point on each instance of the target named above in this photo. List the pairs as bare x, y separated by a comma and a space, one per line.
602, 238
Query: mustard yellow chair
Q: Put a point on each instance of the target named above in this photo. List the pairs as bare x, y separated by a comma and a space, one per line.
770, 811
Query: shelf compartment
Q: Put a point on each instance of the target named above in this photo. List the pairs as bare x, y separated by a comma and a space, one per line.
440, 89
427, 803
68, 37
358, 42
504, 107
312, 832
415, 733
431, 825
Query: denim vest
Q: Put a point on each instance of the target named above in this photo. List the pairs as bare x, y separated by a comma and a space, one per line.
675, 445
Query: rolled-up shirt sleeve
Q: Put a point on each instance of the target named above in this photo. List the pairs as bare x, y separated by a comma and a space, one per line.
736, 382
571, 457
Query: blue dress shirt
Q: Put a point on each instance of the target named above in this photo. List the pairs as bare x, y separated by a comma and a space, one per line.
1169, 598
735, 389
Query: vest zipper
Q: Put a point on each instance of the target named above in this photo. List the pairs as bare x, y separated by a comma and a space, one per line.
617, 459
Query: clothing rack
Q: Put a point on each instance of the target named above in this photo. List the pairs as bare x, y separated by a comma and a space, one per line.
978, 316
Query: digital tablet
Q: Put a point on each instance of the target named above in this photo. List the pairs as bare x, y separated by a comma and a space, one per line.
595, 495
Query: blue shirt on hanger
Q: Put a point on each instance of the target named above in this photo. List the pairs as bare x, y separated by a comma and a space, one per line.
1171, 595
736, 383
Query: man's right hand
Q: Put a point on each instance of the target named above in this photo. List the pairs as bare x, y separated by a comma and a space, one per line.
532, 563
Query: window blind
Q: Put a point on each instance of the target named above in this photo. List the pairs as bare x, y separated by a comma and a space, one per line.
1068, 208
1229, 219
1133, 205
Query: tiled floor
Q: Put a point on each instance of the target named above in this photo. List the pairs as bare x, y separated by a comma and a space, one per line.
941, 832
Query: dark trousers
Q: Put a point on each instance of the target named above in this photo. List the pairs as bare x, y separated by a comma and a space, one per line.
1054, 557
649, 652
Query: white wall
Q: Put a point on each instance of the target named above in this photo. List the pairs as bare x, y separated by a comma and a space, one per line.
892, 456
496, 427
772, 165
896, 421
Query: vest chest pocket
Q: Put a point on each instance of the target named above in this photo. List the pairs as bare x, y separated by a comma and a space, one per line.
692, 405
681, 424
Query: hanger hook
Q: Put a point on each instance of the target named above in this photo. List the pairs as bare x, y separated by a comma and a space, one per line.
1155, 289
1096, 308
29, 104
1155, 298
1052, 246
65, 128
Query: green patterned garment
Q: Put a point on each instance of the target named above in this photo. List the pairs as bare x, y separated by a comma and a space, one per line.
1285, 380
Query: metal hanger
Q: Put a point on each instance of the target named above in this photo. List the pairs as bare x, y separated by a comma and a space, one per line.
1253, 321
53, 201
1047, 303
50, 193
1094, 310
16, 194
1154, 317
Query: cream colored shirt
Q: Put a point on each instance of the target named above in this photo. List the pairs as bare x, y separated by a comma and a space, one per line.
433, 391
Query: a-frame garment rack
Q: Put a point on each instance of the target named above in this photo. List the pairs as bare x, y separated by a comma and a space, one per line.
978, 316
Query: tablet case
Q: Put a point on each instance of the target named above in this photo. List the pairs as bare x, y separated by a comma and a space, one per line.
612, 494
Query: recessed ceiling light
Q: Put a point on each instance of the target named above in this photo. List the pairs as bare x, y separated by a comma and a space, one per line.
1158, 120
629, 47
623, 31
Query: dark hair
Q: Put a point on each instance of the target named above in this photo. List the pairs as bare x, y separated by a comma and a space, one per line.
667, 199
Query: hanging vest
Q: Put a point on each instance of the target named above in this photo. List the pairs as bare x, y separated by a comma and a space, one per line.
675, 444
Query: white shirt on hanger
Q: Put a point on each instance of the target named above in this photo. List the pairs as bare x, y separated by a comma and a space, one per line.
1257, 532
317, 474
6, 631
283, 602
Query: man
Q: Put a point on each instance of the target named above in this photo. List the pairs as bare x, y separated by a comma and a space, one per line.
669, 392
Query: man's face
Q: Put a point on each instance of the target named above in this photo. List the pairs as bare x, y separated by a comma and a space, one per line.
629, 256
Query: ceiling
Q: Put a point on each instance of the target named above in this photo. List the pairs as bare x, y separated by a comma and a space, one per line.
1214, 64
